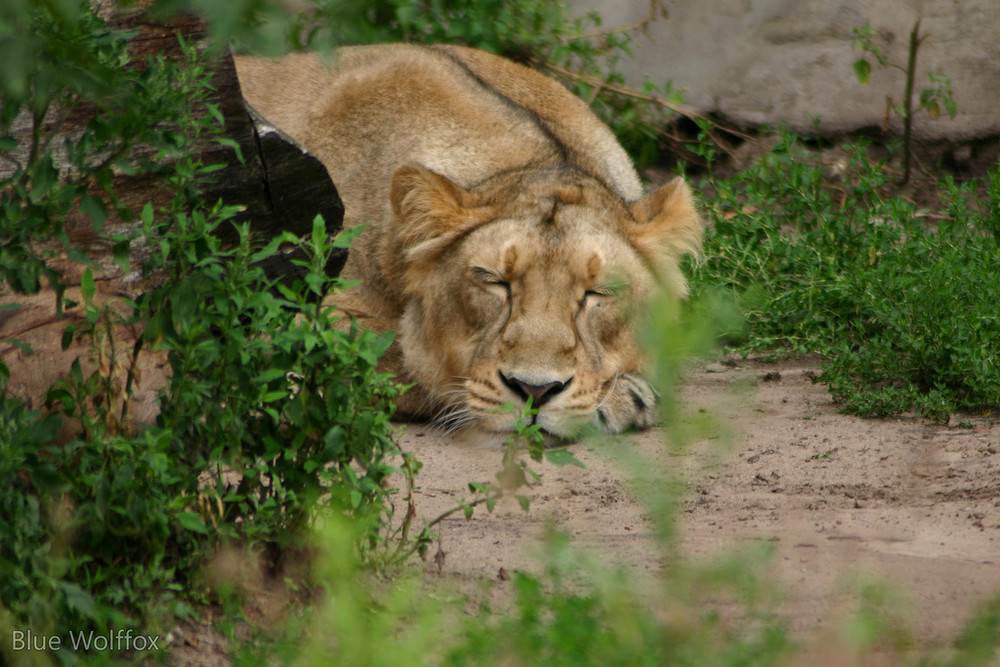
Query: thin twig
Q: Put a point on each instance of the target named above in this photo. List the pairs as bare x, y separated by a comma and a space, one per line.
911, 66
681, 109
461, 508
643, 23
130, 376
409, 475
400, 555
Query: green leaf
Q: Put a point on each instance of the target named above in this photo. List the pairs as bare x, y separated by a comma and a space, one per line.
318, 231
382, 343
79, 600
192, 521
67, 336
213, 110
121, 251
269, 375
345, 237
43, 177
561, 457
210, 168
862, 70
62, 396
524, 502
270, 250
230, 143
334, 440
20, 344
87, 285
147, 214
316, 283
96, 209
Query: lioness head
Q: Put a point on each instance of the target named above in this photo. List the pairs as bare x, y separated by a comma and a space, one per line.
527, 286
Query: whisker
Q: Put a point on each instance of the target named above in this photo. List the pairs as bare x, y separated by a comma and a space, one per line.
448, 400
455, 421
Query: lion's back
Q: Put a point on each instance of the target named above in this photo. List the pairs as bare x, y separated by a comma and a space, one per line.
462, 112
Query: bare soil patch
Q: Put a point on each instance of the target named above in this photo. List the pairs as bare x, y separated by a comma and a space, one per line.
912, 502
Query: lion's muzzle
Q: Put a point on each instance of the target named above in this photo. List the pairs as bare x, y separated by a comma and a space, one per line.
540, 394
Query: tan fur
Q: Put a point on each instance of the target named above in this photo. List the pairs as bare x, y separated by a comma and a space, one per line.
510, 243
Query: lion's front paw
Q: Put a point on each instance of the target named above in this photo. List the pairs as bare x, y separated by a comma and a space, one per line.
629, 402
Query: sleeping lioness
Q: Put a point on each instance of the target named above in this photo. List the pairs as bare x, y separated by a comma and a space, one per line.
510, 242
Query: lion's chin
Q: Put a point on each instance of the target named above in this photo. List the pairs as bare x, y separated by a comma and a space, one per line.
496, 435
483, 439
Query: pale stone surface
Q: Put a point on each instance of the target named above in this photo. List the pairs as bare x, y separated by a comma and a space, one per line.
791, 61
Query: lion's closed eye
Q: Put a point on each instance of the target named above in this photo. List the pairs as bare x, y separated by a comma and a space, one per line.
488, 277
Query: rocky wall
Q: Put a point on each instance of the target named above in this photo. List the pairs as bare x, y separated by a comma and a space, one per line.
790, 62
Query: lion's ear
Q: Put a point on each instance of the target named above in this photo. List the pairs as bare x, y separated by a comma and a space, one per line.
667, 225
430, 207
432, 212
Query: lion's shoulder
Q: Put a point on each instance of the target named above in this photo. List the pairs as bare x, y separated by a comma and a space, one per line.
589, 143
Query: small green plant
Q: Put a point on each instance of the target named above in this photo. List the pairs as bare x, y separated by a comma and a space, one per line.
514, 477
515, 473
932, 99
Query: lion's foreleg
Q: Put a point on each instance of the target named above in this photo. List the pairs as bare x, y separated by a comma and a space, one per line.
628, 402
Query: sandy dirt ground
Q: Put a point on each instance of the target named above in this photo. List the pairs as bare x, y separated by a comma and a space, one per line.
914, 503
904, 501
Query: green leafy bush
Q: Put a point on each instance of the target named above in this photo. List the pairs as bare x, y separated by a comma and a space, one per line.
928, 319
272, 407
270, 388
90, 531
901, 306
270, 410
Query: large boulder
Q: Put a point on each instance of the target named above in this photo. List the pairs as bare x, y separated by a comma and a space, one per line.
790, 62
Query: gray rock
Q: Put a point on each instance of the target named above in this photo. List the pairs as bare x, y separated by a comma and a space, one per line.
790, 62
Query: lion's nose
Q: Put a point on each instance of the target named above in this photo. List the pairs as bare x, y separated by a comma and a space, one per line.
540, 393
